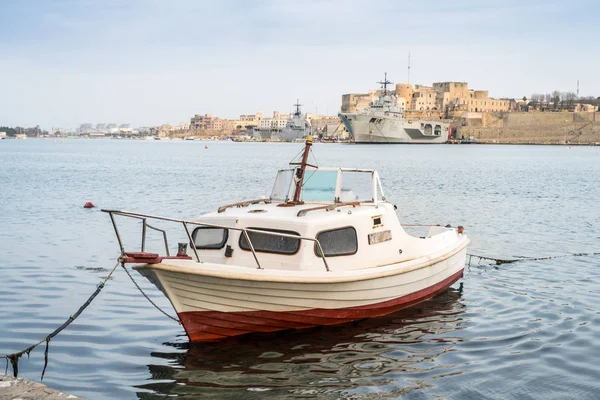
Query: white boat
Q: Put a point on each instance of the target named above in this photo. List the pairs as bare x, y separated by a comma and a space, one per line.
297, 127
257, 266
383, 122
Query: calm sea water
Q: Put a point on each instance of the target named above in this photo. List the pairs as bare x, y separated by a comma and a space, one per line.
525, 331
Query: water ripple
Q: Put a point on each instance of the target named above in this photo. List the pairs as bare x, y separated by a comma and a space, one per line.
523, 331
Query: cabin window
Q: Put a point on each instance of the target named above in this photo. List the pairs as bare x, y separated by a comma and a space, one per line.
337, 242
266, 243
210, 238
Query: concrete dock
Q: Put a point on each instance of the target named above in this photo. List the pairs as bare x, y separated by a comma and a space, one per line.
22, 389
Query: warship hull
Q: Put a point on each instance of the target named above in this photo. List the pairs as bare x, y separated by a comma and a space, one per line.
365, 128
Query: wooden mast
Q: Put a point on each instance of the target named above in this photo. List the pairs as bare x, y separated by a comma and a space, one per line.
300, 171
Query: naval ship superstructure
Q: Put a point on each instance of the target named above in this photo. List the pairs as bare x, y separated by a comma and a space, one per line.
383, 122
297, 127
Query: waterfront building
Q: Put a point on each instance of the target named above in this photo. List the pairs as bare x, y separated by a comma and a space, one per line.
585, 108
353, 102
441, 97
324, 123
277, 122
234, 125
112, 128
423, 99
206, 122
85, 128
252, 119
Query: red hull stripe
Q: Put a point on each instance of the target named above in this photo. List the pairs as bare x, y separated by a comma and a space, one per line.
215, 325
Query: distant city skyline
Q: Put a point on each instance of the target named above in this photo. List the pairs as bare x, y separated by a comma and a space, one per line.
69, 62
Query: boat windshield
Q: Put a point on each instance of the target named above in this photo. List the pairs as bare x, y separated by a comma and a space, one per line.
283, 182
335, 185
356, 186
319, 185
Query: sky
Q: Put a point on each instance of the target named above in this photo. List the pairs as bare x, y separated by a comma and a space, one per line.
151, 62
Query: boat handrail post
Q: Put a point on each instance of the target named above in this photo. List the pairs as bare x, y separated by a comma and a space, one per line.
251, 247
166, 243
193, 245
164, 237
143, 234
322, 254
112, 218
383, 198
185, 223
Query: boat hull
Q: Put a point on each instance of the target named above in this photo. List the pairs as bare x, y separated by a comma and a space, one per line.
214, 325
216, 307
292, 134
365, 128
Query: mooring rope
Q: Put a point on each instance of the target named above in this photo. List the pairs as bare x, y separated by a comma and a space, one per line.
500, 261
14, 357
148, 298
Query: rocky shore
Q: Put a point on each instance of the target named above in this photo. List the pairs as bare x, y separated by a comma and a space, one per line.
22, 389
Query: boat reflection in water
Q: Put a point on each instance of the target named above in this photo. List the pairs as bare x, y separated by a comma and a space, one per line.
397, 353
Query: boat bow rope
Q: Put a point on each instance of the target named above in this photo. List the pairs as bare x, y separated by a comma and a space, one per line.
14, 357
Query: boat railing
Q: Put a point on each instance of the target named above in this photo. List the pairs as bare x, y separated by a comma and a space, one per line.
186, 225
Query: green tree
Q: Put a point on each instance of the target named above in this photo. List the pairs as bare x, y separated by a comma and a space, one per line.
9, 131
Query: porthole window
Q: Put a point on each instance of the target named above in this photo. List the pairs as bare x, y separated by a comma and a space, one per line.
266, 243
206, 237
337, 242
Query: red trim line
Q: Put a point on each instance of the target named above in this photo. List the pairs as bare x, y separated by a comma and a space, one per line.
215, 325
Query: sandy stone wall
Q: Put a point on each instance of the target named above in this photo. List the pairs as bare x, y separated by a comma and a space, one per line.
539, 128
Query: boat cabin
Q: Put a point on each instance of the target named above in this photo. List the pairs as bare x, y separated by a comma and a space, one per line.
340, 212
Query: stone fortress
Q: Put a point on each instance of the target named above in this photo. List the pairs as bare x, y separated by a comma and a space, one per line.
476, 116
443, 99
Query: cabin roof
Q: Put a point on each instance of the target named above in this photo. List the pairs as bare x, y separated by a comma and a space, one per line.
273, 212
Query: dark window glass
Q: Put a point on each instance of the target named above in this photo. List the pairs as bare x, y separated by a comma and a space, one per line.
338, 242
210, 238
266, 243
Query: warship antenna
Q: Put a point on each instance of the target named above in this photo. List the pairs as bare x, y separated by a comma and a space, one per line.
385, 82
409, 67
297, 105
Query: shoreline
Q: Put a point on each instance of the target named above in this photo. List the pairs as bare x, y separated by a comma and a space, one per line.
18, 388
454, 142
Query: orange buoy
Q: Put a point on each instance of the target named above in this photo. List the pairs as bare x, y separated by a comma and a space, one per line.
89, 204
